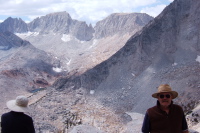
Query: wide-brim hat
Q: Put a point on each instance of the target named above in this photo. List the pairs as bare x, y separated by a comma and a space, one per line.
20, 104
165, 88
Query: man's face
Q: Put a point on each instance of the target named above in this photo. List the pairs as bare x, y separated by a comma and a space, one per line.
165, 99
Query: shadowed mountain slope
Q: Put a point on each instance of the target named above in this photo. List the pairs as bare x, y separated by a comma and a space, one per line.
9, 40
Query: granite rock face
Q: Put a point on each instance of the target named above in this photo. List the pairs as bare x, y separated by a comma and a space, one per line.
13, 25
62, 23
10, 40
57, 22
121, 23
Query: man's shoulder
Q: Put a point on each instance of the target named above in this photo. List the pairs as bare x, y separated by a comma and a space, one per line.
177, 106
6, 114
13, 114
27, 116
152, 108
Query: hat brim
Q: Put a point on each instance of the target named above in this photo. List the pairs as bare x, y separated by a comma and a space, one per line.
12, 106
174, 94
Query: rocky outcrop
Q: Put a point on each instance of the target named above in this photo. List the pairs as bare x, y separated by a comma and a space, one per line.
55, 22
9, 40
121, 23
82, 31
14, 73
14, 25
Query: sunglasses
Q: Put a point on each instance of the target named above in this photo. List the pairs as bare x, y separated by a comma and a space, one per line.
162, 96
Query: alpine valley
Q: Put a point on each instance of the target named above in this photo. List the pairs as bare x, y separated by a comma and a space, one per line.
100, 79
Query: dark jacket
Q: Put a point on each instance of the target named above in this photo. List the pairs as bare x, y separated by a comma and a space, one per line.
158, 121
16, 122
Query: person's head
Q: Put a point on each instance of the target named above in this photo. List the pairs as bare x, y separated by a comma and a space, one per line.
20, 104
165, 95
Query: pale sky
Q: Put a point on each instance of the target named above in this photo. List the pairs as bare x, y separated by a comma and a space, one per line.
90, 11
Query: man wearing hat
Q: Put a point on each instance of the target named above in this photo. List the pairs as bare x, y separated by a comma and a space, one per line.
165, 117
16, 121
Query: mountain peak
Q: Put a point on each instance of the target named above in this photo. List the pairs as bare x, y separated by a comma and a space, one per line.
13, 25
120, 23
61, 22
64, 14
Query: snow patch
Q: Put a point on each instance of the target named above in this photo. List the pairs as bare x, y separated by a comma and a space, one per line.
66, 38
82, 41
26, 34
197, 127
151, 70
94, 43
174, 64
198, 58
57, 69
133, 74
92, 92
68, 62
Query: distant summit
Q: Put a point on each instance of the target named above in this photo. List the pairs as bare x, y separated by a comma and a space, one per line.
121, 23
61, 22
66, 38
13, 25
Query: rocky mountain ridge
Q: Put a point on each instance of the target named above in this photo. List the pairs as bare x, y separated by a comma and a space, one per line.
114, 95
13, 25
61, 22
63, 42
120, 23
